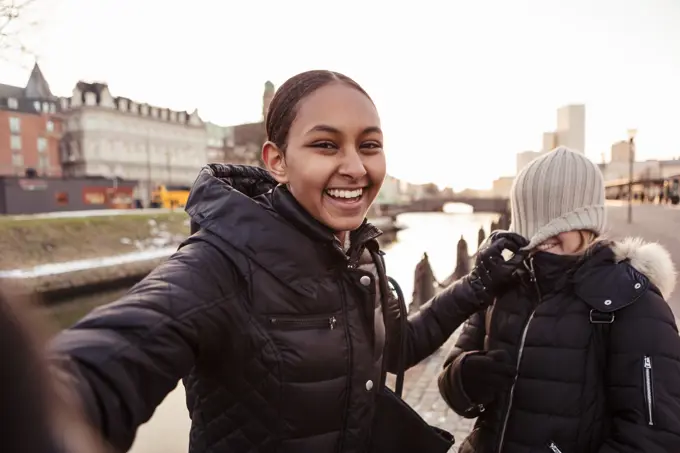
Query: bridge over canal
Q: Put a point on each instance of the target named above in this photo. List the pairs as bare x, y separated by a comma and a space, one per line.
436, 204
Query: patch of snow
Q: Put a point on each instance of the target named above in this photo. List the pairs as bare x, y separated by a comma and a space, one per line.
92, 213
93, 263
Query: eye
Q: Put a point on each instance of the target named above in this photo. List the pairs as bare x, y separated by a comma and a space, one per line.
371, 147
324, 145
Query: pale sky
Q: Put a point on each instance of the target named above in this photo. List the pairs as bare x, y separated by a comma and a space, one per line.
461, 86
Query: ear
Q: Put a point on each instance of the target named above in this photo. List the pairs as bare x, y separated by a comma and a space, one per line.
275, 161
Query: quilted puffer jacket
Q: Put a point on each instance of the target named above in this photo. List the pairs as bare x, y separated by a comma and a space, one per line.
276, 329
597, 354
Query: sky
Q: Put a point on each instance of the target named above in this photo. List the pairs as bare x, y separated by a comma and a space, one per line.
461, 86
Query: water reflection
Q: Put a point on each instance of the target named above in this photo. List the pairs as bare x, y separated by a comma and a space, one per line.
438, 235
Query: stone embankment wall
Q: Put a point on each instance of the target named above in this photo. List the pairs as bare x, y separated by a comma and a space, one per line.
28, 244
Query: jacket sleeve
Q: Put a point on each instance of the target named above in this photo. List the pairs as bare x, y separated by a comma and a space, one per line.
643, 372
436, 321
125, 357
471, 340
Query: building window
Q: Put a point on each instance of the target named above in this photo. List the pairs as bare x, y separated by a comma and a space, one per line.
14, 124
62, 198
43, 162
15, 142
17, 158
12, 103
42, 144
50, 126
36, 106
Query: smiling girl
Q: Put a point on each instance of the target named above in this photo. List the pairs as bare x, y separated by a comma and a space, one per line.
272, 310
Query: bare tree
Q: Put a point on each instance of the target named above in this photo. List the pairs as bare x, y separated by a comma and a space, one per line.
12, 25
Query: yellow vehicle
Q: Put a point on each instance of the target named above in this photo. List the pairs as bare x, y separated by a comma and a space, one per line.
170, 196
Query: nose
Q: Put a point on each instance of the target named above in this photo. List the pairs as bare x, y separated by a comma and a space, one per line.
352, 165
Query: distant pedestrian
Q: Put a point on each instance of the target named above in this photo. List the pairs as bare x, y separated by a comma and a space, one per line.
580, 354
275, 310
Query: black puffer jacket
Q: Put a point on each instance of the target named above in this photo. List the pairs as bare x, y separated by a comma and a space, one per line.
277, 331
580, 387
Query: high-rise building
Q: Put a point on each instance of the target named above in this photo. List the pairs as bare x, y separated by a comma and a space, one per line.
620, 151
549, 141
524, 158
571, 127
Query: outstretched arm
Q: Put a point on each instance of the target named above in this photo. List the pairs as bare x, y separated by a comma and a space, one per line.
642, 379
125, 357
429, 329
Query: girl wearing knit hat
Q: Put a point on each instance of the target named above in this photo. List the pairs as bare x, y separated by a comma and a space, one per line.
582, 353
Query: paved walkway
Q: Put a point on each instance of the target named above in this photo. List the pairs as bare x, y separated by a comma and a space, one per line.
421, 392
653, 223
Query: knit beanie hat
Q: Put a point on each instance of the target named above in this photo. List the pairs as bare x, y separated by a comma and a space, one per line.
557, 192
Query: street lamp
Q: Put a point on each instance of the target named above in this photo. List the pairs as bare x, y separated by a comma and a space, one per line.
631, 162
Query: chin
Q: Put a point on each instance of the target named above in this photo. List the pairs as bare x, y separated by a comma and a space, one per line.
345, 223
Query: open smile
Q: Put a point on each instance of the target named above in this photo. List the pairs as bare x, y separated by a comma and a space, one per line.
349, 196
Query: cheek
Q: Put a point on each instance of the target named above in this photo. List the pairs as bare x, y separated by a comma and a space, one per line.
376, 167
307, 176
571, 243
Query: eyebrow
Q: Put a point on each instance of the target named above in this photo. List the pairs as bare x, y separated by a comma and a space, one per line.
333, 130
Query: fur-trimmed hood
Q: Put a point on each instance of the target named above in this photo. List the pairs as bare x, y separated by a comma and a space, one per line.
650, 259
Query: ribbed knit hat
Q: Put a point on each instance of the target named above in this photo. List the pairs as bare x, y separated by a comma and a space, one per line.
557, 192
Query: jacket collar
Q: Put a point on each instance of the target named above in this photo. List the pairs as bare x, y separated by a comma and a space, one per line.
270, 227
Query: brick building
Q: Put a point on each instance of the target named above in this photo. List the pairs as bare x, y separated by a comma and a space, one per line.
30, 128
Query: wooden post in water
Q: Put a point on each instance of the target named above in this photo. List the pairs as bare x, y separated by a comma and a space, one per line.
423, 284
481, 235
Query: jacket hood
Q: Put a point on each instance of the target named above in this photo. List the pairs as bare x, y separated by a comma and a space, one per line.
216, 180
615, 274
247, 208
650, 259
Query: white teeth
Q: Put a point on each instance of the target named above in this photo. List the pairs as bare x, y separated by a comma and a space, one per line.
341, 193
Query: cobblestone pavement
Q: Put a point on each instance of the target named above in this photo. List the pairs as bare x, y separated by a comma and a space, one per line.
422, 393
653, 223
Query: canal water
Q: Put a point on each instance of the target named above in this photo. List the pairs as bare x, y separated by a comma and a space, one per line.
435, 233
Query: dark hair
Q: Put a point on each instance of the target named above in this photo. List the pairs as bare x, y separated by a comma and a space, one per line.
284, 105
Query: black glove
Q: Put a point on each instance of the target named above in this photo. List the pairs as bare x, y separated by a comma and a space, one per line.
483, 374
491, 266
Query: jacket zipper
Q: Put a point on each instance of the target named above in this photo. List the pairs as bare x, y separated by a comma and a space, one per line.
350, 365
649, 388
504, 427
304, 323
554, 448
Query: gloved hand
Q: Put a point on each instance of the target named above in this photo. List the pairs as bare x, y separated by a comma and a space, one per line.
485, 373
494, 267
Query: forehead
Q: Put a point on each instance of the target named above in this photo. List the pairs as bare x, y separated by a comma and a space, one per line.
337, 105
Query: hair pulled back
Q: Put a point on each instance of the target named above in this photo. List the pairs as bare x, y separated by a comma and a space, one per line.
284, 105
